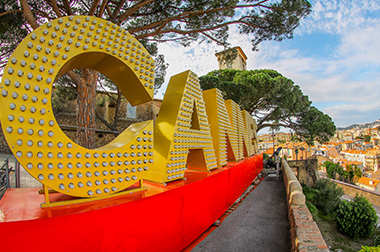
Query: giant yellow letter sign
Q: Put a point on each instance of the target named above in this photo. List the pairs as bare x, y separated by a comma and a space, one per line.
182, 136
249, 132
237, 124
27, 117
182, 133
230, 142
222, 133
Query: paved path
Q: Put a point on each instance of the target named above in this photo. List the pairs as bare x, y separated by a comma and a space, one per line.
259, 224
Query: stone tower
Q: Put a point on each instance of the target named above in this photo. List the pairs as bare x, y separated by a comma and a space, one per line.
238, 62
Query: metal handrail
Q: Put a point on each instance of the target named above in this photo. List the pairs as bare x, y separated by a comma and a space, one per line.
5, 185
5, 163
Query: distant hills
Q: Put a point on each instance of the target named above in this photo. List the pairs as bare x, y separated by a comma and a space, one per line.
374, 124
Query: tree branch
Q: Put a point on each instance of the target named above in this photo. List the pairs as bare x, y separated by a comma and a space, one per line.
104, 121
188, 15
133, 9
28, 15
182, 32
117, 109
94, 4
213, 39
74, 76
262, 126
55, 8
102, 8
108, 10
67, 7
105, 90
44, 14
117, 10
10, 12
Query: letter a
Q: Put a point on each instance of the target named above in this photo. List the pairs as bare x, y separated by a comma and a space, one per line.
182, 133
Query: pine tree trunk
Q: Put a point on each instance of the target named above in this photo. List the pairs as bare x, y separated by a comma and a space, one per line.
86, 104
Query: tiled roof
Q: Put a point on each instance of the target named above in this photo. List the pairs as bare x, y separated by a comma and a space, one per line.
367, 181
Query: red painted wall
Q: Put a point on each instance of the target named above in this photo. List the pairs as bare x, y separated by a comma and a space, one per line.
165, 221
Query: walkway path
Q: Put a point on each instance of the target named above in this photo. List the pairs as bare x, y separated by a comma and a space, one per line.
260, 223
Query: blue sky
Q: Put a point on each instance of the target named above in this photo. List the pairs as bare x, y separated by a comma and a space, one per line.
334, 57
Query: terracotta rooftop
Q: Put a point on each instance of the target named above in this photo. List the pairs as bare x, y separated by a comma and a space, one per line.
368, 181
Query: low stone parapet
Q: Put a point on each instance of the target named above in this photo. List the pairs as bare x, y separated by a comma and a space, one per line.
304, 232
352, 190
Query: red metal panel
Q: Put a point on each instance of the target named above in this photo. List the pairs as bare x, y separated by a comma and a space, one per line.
164, 218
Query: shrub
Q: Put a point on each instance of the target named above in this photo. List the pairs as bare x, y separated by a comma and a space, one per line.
377, 240
370, 249
327, 195
356, 218
313, 209
309, 193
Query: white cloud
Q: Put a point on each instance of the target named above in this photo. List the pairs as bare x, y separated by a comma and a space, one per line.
349, 114
361, 45
338, 16
199, 58
349, 76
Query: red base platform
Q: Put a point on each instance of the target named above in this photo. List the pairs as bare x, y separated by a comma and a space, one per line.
162, 218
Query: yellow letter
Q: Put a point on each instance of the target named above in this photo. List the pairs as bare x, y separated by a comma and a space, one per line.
223, 134
237, 124
27, 117
248, 143
182, 133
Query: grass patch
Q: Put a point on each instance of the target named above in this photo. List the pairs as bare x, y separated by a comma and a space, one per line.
336, 240
324, 198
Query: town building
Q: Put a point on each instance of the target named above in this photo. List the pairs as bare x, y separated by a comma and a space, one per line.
372, 160
369, 184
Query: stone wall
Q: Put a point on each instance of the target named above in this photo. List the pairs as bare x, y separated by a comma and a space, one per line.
306, 171
352, 190
304, 232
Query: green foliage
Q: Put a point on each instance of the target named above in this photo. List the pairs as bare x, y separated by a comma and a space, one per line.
152, 22
312, 208
101, 101
181, 21
349, 175
377, 240
310, 193
332, 169
62, 94
367, 138
274, 100
356, 218
370, 249
314, 124
327, 195
12, 30
358, 172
